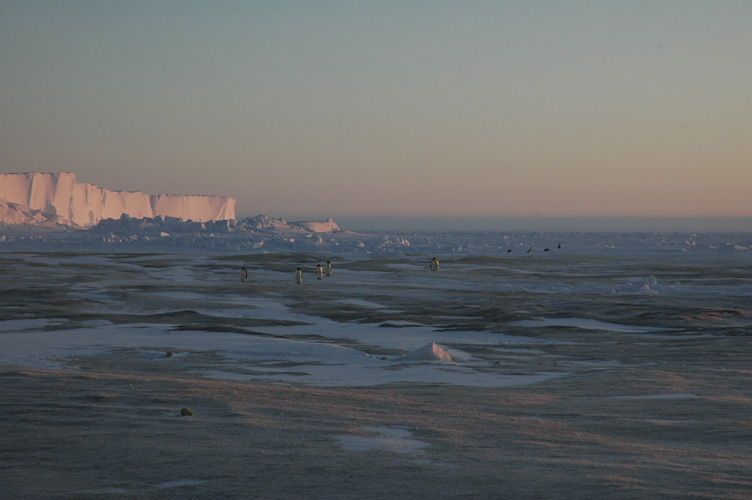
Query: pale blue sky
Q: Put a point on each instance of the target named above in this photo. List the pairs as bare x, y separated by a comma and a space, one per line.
327, 108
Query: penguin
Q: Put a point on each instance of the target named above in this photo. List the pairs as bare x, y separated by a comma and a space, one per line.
319, 272
243, 274
434, 264
298, 276
328, 268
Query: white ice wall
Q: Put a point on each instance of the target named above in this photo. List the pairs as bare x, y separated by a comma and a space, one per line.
197, 208
46, 192
86, 204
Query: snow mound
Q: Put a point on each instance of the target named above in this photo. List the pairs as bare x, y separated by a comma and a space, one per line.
265, 223
322, 226
84, 204
429, 352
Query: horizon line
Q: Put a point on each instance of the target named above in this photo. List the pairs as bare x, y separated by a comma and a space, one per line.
608, 223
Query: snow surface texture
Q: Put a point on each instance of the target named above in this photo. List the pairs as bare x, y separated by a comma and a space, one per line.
614, 367
63, 200
392, 439
480, 321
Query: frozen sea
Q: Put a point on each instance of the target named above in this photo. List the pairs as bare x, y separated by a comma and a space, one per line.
499, 305
531, 365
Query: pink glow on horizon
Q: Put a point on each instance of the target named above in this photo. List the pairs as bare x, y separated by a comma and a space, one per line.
328, 109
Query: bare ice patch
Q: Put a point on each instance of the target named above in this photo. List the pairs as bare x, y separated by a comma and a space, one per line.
17, 325
390, 439
587, 324
361, 303
181, 482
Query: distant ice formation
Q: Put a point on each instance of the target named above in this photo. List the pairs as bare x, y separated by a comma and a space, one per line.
84, 204
323, 226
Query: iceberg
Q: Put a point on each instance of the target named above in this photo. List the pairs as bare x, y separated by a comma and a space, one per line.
85, 205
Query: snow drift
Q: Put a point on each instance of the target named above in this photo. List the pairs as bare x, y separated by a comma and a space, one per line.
84, 204
429, 352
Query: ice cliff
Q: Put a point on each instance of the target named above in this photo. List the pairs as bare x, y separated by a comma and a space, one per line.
84, 204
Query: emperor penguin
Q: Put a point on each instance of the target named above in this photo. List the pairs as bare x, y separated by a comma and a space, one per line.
328, 268
434, 264
243, 274
298, 276
319, 272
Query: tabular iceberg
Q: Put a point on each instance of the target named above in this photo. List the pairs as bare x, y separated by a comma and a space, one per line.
85, 204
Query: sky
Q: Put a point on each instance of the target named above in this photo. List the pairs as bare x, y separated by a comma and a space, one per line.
468, 109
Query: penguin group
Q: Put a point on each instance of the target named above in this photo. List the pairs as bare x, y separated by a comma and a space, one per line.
321, 271
326, 270
530, 250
